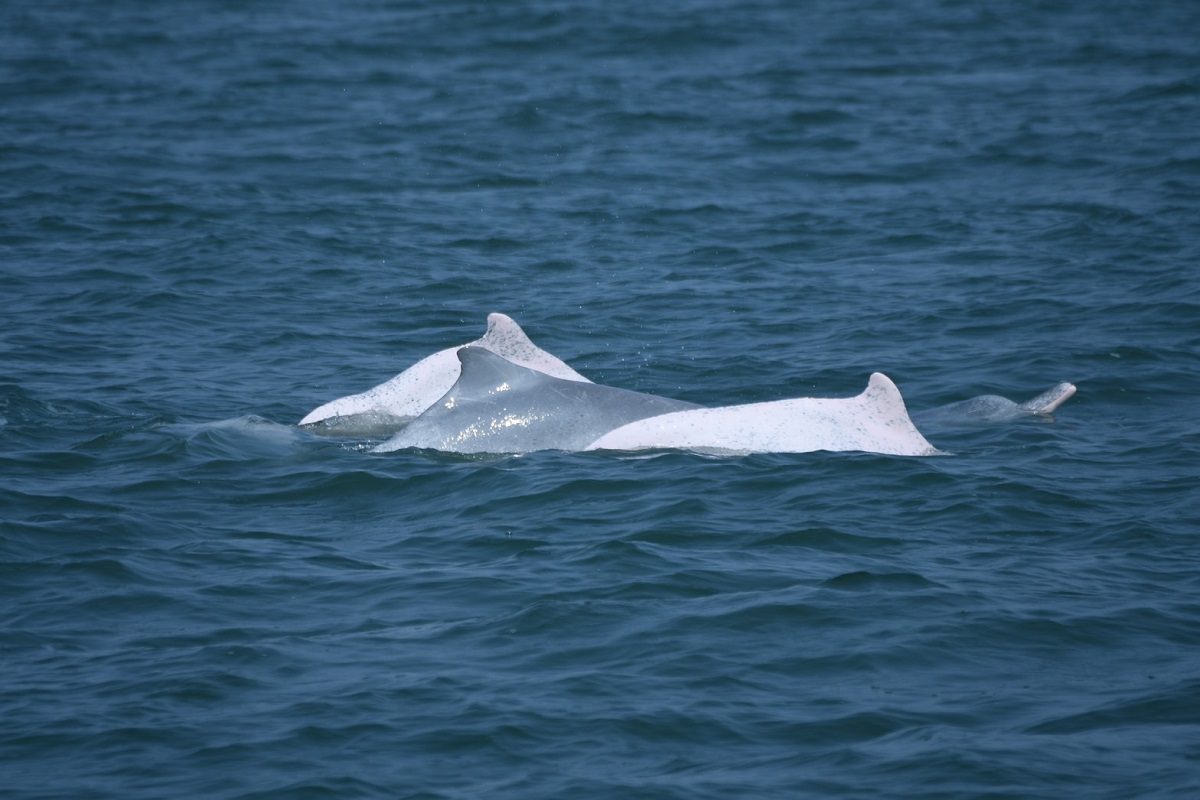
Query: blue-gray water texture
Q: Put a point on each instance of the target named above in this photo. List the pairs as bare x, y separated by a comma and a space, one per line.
215, 216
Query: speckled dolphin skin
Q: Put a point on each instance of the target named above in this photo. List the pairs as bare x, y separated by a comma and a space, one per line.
406, 396
875, 421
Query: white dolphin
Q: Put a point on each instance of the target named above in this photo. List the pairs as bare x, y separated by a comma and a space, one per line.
413, 391
875, 421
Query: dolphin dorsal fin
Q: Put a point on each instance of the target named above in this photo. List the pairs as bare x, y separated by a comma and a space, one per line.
505, 336
483, 373
885, 410
884, 396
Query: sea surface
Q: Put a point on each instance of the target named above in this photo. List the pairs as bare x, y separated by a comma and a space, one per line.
215, 216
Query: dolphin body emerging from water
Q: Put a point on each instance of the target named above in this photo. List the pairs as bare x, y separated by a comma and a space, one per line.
503, 394
390, 405
989, 408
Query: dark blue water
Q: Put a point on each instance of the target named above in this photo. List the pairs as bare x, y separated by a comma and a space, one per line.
215, 216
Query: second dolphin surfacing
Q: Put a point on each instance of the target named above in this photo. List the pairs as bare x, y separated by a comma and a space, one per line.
989, 408
497, 406
875, 421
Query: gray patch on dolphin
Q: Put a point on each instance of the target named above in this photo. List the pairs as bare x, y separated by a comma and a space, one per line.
497, 406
